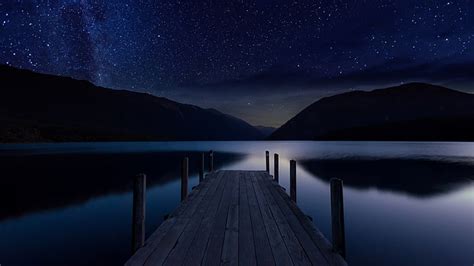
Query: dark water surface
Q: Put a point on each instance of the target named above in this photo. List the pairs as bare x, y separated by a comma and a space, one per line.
406, 203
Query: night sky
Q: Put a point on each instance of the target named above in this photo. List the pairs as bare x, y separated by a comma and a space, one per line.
262, 61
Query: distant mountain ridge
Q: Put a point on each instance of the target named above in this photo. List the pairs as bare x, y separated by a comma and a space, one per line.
265, 130
415, 111
40, 107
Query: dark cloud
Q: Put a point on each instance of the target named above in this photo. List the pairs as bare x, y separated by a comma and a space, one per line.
394, 71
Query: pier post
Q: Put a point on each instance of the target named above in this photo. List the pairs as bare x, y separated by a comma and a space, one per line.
211, 161
184, 178
267, 158
293, 180
337, 217
201, 168
276, 170
138, 215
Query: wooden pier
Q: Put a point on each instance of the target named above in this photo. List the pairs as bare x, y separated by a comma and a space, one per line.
237, 218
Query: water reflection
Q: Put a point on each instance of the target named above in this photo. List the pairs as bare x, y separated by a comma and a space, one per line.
41, 182
418, 178
406, 203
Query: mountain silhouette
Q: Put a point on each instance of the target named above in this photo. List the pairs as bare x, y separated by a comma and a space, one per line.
415, 111
66, 178
266, 131
40, 107
420, 178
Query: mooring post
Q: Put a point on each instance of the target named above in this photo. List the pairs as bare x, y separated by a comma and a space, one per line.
337, 217
184, 178
138, 215
276, 169
211, 161
293, 180
267, 158
201, 168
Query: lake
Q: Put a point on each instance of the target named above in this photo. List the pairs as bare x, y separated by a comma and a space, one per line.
406, 203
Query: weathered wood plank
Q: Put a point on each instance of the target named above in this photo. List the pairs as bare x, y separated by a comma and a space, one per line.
267, 161
279, 250
296, 251
216, 239
178, 254
152, 242
312, 250
337, 217
201, 168
184, 178
211, 161
293, 180
237, 217
230, 250
139, 204
318, 238
160, 253
276, 168
198, 246
264, 254
247, 254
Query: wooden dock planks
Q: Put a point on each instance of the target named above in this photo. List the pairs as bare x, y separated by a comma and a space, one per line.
237, 218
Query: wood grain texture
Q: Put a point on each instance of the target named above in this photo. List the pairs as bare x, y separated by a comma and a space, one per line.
247, 255
337, 217
237, 218
264, 255
276, 167
138, 220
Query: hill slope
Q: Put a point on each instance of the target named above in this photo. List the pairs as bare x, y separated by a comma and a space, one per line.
266, 131
39, 107
414, 111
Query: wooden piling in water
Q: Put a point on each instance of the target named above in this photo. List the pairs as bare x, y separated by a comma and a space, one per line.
293, 180
337, 217
201, 168
276, 168
138, 215
184, 178
226, 205
211, 161
267, 161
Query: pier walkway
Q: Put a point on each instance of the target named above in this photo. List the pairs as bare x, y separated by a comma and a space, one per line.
237, 218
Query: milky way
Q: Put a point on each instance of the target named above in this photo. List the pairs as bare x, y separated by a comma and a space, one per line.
260, 60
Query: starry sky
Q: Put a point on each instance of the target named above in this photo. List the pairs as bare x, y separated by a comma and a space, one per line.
262, 61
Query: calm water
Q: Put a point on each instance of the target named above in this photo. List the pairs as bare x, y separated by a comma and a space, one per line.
405, 203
